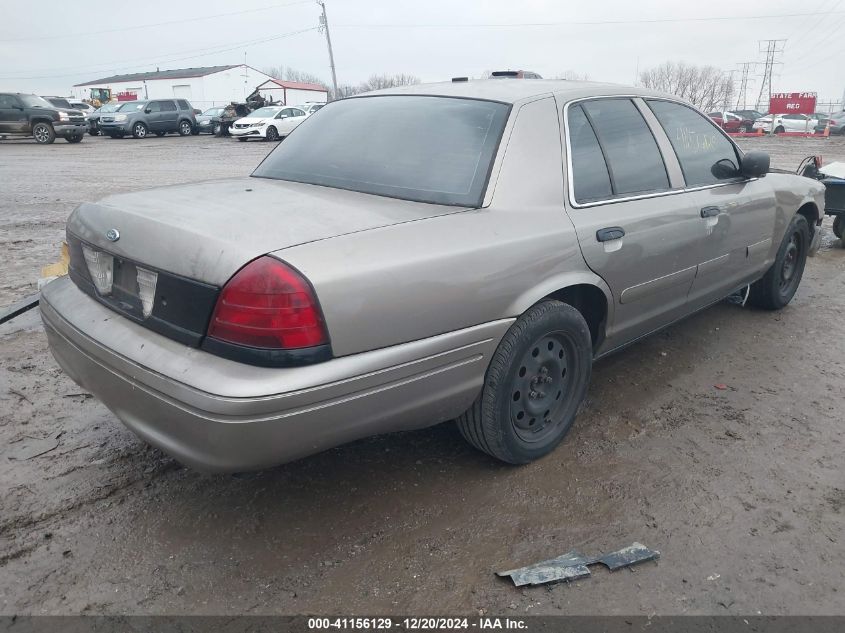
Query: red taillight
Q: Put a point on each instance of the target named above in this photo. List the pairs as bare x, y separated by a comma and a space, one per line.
269, 305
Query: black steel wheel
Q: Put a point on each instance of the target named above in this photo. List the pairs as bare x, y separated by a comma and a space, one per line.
534, 386
777, 287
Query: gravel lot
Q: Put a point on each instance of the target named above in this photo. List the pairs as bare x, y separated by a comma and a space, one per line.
742, 490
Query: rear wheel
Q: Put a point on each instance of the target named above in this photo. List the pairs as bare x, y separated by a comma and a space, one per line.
839, 226
272, 134
777, 287
43, 133
139, 130
536, 381
185, 128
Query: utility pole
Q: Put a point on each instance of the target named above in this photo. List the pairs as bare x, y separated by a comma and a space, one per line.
745, 69
772, 49
324, 28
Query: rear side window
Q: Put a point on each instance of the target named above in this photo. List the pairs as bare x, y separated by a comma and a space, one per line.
168, 106
701, 148
590, 180
630, 151
183, 105
8, 101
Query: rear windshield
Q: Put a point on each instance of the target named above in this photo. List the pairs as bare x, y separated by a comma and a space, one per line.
428, 149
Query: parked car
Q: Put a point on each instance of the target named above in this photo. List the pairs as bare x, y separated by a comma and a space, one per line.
86, 108
836, 120
270, 122
751, 115
93, 119
786, 123
157, 116
209, 121
30, 115
310, 107
731, 122
422, 253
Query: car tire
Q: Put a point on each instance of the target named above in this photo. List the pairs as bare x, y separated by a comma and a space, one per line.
94, 132
534, 385
76, 138
215, 129
242, 138
839, 227
779, 129
139, 130
272, 134
43, 133
185, 128
777, 287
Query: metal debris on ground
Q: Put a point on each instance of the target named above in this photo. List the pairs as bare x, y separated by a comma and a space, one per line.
18, 308
574, 565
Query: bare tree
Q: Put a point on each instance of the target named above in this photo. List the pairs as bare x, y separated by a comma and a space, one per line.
378, 82
704, 86
571, 75
292, 74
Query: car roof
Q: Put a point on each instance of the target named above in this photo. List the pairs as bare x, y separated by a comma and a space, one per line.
517, 90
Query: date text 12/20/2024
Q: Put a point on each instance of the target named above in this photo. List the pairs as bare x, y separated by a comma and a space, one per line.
416, 623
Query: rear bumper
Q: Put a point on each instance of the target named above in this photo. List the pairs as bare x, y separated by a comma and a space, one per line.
218, 415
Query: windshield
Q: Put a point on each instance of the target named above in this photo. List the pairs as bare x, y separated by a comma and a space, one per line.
263, 112
428, 149
34, 101
131, 105
213, 112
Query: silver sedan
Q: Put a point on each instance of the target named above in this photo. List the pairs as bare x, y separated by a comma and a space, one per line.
461, 251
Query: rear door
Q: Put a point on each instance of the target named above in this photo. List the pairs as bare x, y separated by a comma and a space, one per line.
12, 115
738, 213
289, 118
169, 116
637, 227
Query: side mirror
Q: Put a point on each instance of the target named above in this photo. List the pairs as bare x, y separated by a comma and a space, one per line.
147, 111
755, 164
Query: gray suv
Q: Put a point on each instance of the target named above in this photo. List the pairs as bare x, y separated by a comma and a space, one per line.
156, 116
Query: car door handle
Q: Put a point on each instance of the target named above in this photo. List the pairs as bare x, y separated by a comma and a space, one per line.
610, 233
710, 212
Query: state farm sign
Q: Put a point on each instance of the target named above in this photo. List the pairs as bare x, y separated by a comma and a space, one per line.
792, 103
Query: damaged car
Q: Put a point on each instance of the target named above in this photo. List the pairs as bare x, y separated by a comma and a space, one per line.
424, 253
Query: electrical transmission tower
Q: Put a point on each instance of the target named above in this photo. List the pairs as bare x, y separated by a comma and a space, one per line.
772, 48
745, 68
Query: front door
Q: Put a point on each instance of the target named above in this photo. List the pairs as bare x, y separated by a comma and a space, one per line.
637, 227
738, 213
153, 112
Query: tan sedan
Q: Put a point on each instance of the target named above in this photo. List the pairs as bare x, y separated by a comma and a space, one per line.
460, 250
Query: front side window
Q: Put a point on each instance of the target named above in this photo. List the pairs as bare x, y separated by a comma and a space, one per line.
705, 154
633, 158
424, 148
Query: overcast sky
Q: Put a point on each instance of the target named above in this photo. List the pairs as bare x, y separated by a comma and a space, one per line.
62, 43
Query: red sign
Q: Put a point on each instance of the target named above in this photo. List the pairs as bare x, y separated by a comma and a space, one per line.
133, 96
792, 103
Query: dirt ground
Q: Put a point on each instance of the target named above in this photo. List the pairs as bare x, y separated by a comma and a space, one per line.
742, 490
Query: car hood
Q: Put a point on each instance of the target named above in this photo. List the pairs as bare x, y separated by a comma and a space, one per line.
207, 231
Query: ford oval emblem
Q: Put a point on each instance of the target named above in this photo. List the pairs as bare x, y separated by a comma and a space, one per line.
112, 235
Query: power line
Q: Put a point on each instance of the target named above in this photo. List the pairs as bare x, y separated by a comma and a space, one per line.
147, 26
214, 51
731, 18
